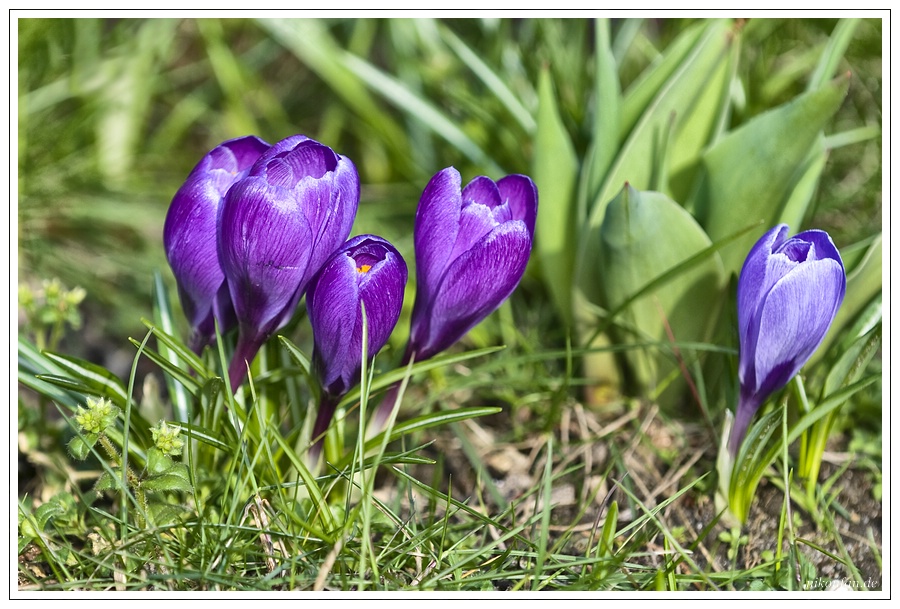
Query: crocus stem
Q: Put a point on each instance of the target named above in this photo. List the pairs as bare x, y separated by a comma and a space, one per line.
327, 406
745, 411
244, 353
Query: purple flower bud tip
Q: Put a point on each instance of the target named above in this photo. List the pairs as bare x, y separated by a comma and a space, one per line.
189, 235
788, 294
366, 269
277, 226
472, 246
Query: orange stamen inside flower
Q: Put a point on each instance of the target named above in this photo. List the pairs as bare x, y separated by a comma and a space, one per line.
364, 268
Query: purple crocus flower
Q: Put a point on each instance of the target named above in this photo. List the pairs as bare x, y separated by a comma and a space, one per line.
277, 226
787, 296
472, 246
189, 236
369, 270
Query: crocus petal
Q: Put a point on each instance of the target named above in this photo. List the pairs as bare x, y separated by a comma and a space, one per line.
481, 190
264, 250
332, 305
333, 223
474, 286
436, 229
521, 197
798, 311
475, 221
753, 276
366, 269
189, 234
788, 294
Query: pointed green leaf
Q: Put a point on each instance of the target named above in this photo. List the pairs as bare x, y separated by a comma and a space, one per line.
645, 234
652, 80
607, 111
555, 169
751, 171
641, 159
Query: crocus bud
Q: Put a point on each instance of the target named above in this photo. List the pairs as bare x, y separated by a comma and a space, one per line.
472, 246
277, 226
787, 296
368, 270
189, 236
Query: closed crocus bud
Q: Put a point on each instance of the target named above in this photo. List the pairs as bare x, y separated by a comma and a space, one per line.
189, 236
368, 270
472, 246
277, 226
787, 296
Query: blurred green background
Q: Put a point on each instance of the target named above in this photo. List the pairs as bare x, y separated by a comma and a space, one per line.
114, 113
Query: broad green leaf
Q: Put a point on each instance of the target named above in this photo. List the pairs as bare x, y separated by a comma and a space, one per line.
555, 170
751, 171
97, 380
167, 482
662, 121
645, 234
652, 80
705, 123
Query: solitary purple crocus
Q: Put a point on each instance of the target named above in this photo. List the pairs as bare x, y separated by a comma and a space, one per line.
788, 294
277, 227
189, 236
472, 246
368, 270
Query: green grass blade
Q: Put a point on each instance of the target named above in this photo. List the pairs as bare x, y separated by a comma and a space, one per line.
493, 81
416, 106
833, 54
162, 313
97, 379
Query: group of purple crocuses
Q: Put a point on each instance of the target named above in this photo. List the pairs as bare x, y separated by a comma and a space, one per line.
255, 227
